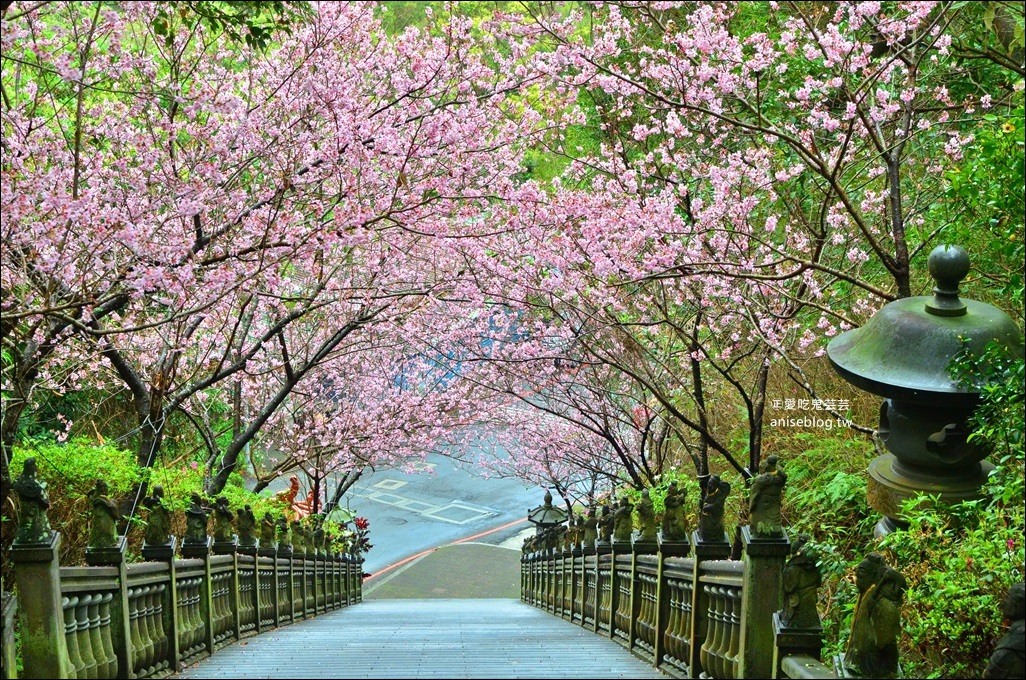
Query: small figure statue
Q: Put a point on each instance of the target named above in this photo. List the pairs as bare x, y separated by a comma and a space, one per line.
196, 521
33, 525
267, 530
318, 534
158, 519
764, 500
674, 527
800, 582
873, 645
298, 536
552, 538
103, 531
1007, 661
710, 520
648, 526
247, 527
605, 523
559, 540
623, 521
589, 532
284, 533
224, 521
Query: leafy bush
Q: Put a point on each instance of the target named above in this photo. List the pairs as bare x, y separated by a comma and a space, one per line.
959, 562
70, 471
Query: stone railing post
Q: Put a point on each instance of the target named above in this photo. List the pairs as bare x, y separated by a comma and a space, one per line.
795, 643
37, 571
232, 548
764, 562
271, 551
254, 552
601, 548
284, 552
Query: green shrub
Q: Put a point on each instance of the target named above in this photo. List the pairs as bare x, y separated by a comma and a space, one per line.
70, 470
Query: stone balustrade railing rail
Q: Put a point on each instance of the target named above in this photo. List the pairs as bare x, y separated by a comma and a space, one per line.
146, 619
682, 607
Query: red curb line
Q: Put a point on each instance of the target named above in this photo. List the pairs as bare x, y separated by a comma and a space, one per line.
431, 550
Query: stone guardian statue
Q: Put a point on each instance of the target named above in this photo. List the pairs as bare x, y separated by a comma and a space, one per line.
764, 500
158, 519
196, 521
103, 530
647, 521
873, 644
800, 582
33, 524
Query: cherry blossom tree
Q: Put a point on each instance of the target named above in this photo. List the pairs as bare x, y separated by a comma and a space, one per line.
759, 176
196, 218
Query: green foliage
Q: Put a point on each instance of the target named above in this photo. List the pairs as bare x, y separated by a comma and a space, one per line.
988, 189
959, 563
826, 488
998, 423
72, 468
251, 23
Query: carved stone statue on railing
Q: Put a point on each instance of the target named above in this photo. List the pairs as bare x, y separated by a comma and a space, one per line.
552, 538
33, 525
247, 527
1008, 659
579, 531
318, 534
284, 534
267, 528
605, 524
623, 521
648, 528
196, 521
764, 500
800, 582
590, 529
298, 536
873, 645
224, 521
674, 524
158, 519
103, 530
710, 519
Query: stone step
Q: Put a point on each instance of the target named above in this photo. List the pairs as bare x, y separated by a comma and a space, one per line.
436, 638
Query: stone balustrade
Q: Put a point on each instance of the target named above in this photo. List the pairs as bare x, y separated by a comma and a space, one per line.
681, 607
145, 619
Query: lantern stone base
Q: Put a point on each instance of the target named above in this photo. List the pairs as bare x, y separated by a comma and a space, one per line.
890, 485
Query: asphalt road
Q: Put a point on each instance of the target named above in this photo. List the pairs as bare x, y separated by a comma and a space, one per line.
441, 504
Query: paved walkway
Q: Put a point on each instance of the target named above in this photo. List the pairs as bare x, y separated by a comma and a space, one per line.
464, 571
428, 638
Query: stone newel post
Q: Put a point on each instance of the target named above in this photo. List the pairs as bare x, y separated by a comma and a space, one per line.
37, 573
